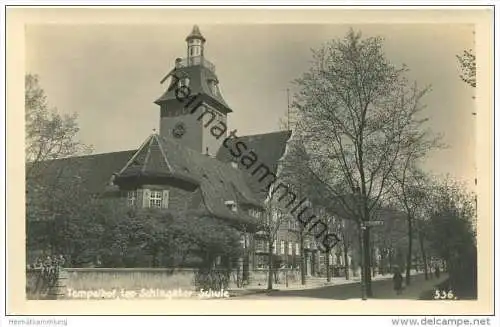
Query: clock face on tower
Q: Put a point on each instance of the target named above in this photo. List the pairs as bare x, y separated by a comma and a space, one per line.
179, 130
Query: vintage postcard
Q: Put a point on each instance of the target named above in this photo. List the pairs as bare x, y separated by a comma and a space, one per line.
249, 161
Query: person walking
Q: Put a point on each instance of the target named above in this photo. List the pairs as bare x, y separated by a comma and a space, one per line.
398, 281
438, 273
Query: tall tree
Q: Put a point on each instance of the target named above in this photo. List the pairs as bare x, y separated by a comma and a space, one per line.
295, 174
358, 113
270, 221
347, 233
50, 135
452, 235
467, 62
410, 193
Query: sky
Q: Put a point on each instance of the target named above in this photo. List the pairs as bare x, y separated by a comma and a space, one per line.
110, 75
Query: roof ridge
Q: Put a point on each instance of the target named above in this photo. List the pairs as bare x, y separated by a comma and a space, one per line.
164, 155
261, 134
135, 155
148, 155
83, 156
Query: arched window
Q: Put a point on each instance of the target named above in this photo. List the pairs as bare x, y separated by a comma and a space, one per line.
184, 81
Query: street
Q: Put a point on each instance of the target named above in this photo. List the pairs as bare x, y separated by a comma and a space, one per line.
382, 289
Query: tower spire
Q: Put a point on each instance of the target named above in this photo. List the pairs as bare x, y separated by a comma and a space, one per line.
195, 44
195, 34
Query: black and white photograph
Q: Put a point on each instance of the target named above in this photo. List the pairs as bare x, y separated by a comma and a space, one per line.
249, 162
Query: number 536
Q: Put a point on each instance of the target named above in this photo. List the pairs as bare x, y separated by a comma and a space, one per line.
443, 295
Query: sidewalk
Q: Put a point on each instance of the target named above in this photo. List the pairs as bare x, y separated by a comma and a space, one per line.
414, 291
382, 287
311, 283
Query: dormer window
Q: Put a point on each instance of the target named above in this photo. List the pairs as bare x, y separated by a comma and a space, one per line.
214, 86
231, 205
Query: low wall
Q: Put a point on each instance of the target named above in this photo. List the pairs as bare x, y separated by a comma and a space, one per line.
94, 283
129, 278
127, 282
41, 286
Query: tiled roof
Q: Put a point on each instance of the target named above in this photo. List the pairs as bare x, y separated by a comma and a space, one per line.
269, 148
94, 171
151, 160
218, 181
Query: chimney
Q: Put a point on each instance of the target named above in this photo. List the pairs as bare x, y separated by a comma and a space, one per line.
178, 63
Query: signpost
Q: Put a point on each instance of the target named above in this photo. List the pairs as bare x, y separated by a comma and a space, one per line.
372, 223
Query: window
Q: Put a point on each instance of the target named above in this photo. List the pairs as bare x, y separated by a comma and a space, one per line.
275, 247
282, 245
254, 213
132, 198
297, 249
155, 199
231, 205
290, 248
260, 246
262, 261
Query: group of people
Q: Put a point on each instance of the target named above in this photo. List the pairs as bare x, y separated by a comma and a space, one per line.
398, 279
48, 262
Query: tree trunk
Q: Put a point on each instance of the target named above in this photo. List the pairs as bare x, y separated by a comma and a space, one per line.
367, 263
302, 261
374, 262
408, 256
270, 261
424, 256
328, 270
346, 261
390, 260
155, 258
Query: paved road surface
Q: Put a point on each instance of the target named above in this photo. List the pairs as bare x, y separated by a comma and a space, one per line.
382, 289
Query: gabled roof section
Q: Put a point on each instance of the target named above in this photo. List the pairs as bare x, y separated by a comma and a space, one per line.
149, 159
269, 148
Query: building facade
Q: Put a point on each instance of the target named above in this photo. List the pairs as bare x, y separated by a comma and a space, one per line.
195, 163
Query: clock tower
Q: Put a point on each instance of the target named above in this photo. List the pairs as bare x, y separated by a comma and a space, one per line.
192, 103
